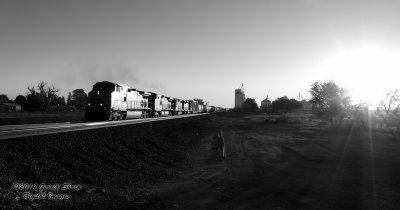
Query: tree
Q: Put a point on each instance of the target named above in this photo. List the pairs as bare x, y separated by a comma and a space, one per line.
34, 102
284, 104
61, 101
58, 104
70, 102
249, 105
390, 103
47, 94
329, 101
21, 100
58, 101
79, 97
4, 98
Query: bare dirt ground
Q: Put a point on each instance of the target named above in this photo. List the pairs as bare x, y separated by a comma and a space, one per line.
291, 162
298, 164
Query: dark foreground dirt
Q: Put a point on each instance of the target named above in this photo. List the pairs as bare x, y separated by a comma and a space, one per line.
294, 162
17, 118
115, 167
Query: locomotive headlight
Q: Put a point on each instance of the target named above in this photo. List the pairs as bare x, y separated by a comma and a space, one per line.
98, 92
88, 104
101, 104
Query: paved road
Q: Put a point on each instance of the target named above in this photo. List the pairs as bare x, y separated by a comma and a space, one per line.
15, 131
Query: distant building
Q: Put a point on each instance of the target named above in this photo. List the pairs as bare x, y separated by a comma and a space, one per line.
239, 97
10, 107
266, 104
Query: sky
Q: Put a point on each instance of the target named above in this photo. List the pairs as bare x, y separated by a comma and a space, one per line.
200, 49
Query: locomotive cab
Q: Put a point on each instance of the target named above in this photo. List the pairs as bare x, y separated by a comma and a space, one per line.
107, 100
100, 100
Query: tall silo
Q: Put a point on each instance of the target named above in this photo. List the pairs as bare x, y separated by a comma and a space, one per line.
239, 97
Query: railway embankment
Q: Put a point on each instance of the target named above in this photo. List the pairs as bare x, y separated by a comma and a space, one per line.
18, 118
107, 168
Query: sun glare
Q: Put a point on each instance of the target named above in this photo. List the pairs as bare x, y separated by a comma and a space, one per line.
367, 72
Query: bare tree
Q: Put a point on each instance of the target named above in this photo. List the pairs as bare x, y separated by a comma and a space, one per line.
390, 103
31, 91
388, 109
46, 93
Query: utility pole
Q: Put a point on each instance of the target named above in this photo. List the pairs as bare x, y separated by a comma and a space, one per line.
300, 97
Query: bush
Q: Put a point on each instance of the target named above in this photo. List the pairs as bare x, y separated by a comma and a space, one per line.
284, 104
329, 101
34, 102
249, 105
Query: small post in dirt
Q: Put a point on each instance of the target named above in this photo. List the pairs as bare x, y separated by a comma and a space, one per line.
221, 146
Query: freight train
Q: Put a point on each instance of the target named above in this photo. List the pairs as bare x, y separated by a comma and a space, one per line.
112, 101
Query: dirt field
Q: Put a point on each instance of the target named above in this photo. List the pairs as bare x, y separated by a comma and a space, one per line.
293, 162
298, 164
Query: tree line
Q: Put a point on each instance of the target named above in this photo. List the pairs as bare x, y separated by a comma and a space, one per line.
44, 97
332, 102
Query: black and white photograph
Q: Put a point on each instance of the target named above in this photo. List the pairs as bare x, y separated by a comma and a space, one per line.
200, 104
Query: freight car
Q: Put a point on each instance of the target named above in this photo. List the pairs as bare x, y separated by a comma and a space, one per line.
112, 101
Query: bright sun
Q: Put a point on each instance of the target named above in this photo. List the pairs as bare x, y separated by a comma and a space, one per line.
367, 72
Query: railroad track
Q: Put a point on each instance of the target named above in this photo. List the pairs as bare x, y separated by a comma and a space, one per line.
16, 131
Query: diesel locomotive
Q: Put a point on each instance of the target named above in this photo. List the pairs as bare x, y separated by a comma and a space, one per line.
112, 101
